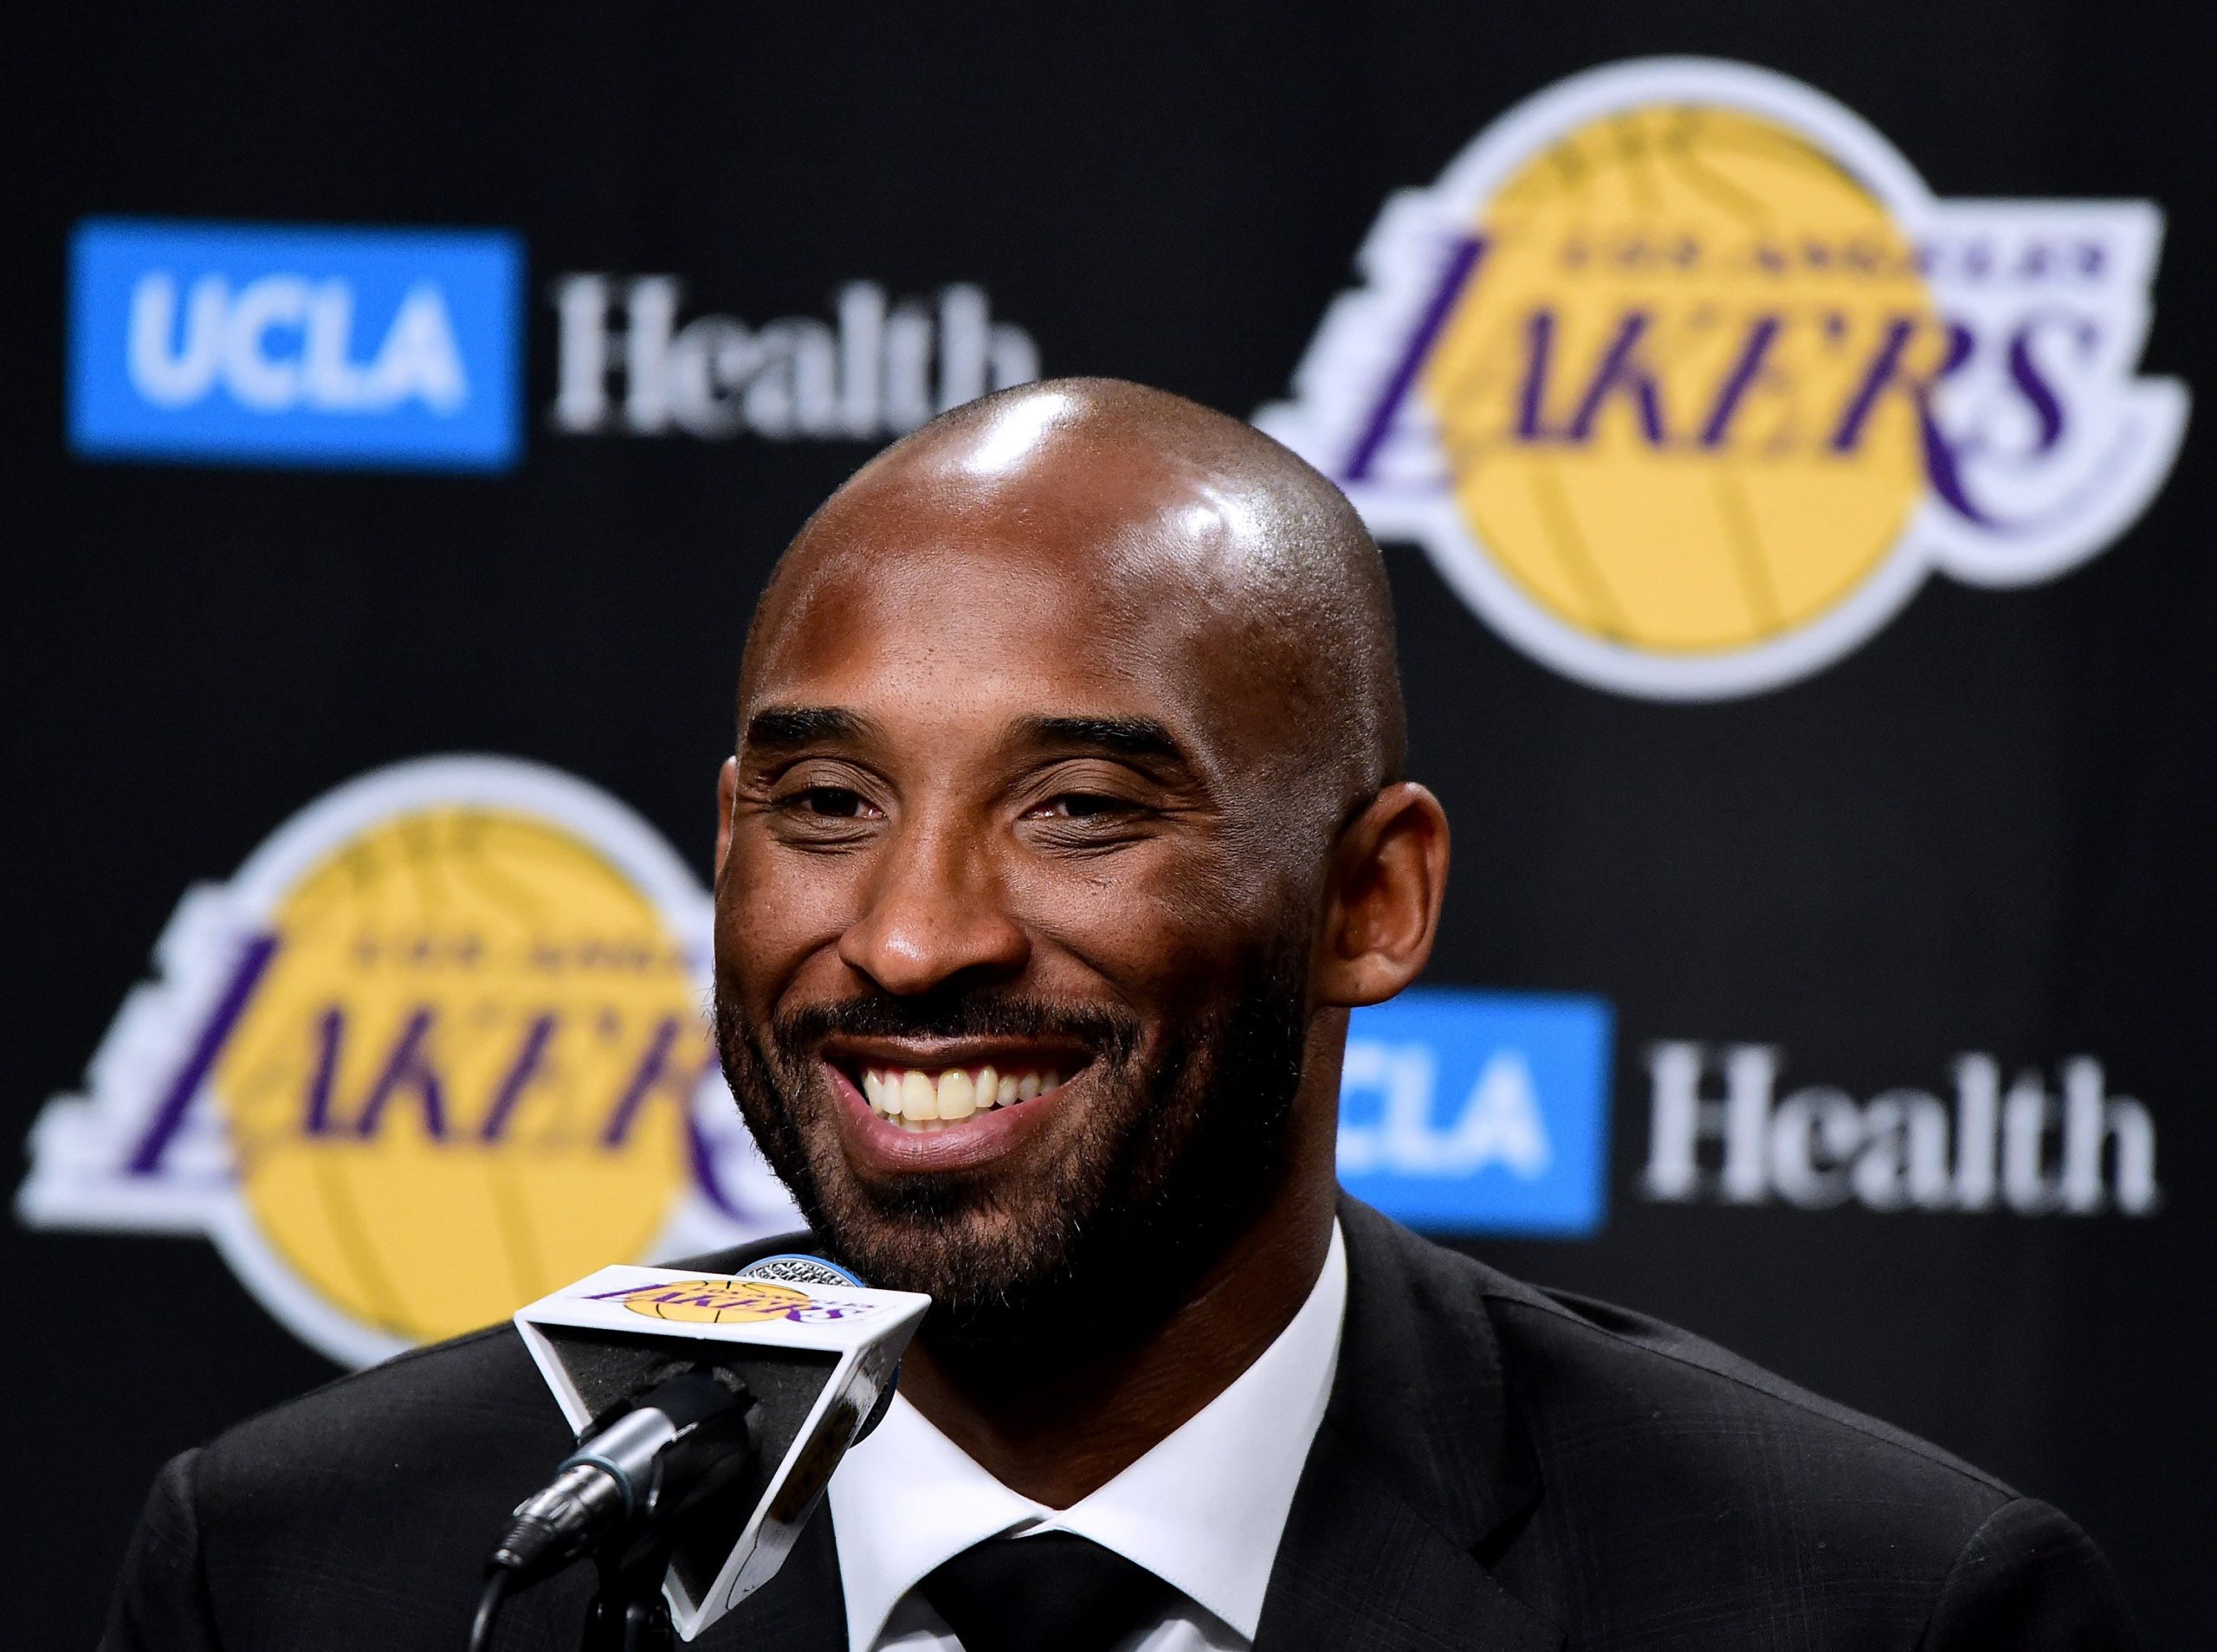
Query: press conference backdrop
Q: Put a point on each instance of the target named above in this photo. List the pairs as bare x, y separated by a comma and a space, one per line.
1780, 423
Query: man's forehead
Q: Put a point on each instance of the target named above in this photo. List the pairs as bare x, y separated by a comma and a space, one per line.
947, 627
984, 647
1095, 547
1130, 585
972, 576
1110, 516
1039, 482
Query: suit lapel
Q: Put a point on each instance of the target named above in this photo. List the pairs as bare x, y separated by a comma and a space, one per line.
1359, 1571
1416, 1465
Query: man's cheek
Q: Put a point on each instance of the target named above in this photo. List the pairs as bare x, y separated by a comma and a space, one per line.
1147, 904
772, 913
1190, 936
740, 965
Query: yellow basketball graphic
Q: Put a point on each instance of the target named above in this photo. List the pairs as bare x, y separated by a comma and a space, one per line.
1686, 382
716, 1302
1679, 400
464, 1079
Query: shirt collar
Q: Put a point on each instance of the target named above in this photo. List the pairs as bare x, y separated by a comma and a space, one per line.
1203, 1510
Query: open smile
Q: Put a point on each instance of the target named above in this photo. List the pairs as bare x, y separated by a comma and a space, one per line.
922, 1099
926, 1088
918, 1104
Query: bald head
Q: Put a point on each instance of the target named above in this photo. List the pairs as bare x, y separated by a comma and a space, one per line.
1187, 524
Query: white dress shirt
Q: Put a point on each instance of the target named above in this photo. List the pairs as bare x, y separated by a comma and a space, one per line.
1203, 1510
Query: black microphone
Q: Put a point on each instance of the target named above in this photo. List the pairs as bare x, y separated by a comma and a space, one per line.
638, 1467
710, 1412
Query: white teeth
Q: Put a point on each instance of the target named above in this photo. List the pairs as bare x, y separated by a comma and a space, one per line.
958, 1095
919, 1099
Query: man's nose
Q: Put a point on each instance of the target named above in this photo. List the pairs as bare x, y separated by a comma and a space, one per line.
936, 913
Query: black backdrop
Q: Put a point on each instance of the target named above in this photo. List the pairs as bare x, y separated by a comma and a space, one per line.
1986, 830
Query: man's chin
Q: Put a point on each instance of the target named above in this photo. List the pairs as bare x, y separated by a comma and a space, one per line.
974, 1260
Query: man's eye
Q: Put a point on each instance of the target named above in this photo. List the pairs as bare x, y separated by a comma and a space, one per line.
1082, 805
837, 803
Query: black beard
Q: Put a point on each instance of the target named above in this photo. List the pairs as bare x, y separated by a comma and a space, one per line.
1181, 1152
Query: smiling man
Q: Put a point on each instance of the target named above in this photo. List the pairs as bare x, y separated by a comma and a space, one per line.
1066, 824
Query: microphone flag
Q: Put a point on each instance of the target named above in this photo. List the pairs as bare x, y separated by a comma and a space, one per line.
820, 1356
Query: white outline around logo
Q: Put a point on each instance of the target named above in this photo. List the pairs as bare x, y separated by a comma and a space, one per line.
2132, 427
82, 1145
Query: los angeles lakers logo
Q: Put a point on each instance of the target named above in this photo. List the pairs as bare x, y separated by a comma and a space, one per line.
436, 1050
1686, 382
733, 1301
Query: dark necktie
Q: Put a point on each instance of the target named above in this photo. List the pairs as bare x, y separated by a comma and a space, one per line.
1055, 1592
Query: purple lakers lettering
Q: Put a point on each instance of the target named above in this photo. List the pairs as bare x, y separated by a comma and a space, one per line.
1686, 382
437, 1050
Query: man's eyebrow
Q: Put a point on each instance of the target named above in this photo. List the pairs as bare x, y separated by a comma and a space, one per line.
1131, 737
785, 728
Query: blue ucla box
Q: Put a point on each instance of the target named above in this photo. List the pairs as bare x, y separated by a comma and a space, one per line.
1470, 1112
218, 343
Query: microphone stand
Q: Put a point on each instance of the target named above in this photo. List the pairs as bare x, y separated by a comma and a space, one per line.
629, 1613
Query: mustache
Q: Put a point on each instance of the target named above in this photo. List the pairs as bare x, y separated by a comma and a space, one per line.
1112, 1035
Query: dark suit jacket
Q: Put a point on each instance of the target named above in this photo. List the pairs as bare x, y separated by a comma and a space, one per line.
1501, 1469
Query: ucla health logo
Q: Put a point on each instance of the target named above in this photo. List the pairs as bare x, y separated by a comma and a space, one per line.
307, 346
435, 1050
1686, 382
1479, 1112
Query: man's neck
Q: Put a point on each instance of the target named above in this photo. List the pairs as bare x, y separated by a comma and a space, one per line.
1056, 1430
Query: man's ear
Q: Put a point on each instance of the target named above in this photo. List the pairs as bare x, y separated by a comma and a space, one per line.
726, 790
1382, 911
